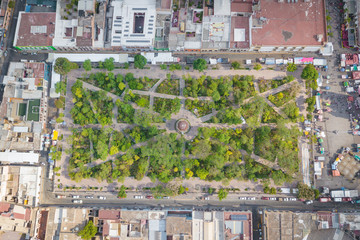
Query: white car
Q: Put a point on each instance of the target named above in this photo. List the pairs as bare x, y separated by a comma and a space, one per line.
75, 196
293, 199
242, 198
272, 199
285, 199
251, 198
308, 202
207, 198
166, 197
77, 201
102, 198
139, 197
89, 197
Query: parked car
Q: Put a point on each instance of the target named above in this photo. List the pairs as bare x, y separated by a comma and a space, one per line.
293, 199
138, 197
75, 196
242, 198
265, 198
89, 197
308, 202
273, 199
60, 196
206, 198
251, 198
77, 201
158, 197
149, 197
166, 197
346, 199
102, 197
286, 199
324, 199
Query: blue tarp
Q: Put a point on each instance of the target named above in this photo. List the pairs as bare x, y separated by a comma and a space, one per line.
27, 8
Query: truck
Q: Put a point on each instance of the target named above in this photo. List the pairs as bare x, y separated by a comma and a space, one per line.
324, 199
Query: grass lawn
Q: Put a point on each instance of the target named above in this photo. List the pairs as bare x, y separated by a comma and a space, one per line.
33, 110
22, 109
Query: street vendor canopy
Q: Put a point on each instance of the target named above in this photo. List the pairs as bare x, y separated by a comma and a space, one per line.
356, 75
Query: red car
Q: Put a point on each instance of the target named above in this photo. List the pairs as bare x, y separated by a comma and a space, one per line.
265, 198
149, 197
346, 199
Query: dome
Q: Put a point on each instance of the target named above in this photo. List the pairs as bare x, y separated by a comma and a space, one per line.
183, 125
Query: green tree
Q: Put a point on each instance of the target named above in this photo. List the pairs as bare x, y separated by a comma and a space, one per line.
109, 64
60, 87
305, 192
316, 193
11, 4
122, 192
88, 231
222, 194
257, 66
235, 65
121, 86
202, 173
140, 61
291, 67
64, 66
310, 75
309, 72
181, 190
87, 65
200, 64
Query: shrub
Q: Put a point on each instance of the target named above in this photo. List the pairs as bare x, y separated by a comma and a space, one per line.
257, 66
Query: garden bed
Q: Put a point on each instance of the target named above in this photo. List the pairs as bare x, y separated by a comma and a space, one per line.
199, 108
167, 107
169, 86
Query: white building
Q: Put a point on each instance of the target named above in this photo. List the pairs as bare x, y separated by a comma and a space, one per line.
20, 184
133, 24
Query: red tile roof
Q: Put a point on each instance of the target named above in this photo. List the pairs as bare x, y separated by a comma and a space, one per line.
239, 22
4, 207
38, 69
109, 214
106, 229
289, 24
241, 6
26, 38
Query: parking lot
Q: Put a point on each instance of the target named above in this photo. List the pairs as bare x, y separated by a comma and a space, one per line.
336, 125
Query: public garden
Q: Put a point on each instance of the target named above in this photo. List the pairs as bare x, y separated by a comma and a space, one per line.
148, 126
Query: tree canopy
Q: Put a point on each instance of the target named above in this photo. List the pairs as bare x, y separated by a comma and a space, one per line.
64, 66
305, 192
87, 65
140, 61
309, 72
200, 64
88, 231
310, 75
122, 193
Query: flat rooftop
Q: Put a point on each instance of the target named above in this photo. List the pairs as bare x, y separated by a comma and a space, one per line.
35, 29
290, 23
239, 32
